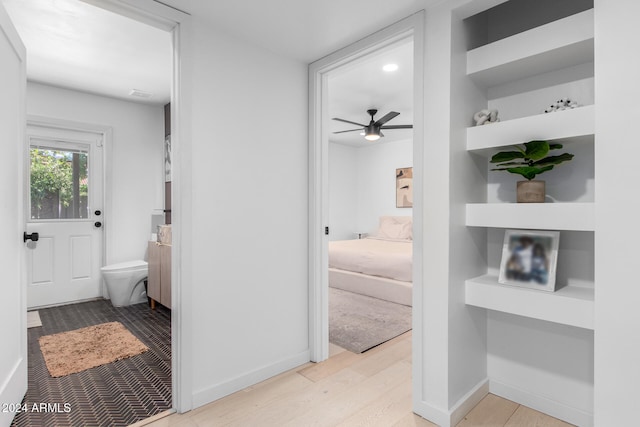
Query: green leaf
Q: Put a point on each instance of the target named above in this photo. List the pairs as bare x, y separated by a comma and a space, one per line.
536, 150
554, 160
502, 165
506, 156
531, 161
529, 172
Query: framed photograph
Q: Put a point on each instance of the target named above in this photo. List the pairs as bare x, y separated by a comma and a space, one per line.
404, 188
529, 259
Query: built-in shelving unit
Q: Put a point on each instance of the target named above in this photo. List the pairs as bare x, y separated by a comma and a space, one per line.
556, 45
515, 74
570, 305
547, 48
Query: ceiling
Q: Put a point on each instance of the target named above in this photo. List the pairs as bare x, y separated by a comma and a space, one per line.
354, 89
75, 45
306, 30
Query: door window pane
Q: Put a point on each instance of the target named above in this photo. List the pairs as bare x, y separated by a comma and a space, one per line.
59, 183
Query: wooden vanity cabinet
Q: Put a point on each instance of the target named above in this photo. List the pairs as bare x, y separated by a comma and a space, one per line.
159, 280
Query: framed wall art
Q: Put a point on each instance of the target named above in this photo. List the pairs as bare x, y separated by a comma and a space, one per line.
404, 187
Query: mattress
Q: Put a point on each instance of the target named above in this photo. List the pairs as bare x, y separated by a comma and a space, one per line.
373, 256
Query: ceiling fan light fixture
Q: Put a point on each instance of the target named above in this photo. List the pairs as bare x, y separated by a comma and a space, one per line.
372, 133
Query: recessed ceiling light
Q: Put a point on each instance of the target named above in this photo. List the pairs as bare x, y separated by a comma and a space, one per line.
390, 67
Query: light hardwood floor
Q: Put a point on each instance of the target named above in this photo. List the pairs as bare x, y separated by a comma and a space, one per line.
369, 389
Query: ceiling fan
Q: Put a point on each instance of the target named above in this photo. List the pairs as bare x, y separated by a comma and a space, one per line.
372, 131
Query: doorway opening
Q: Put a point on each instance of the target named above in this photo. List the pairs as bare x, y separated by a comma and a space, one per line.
409, 29
370, 168
58, 106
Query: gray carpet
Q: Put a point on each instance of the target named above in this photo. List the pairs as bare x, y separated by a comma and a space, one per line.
358, 322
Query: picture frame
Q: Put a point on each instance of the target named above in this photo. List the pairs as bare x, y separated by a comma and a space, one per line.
529, 259
404, 187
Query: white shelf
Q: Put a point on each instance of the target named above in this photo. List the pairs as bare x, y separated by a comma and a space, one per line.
550, 126
571, 305
556, 45
543, 216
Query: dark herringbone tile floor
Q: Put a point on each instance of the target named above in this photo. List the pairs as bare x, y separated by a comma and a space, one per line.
117, 394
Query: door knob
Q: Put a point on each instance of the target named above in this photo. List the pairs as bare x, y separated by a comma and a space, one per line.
33, 237
98, 224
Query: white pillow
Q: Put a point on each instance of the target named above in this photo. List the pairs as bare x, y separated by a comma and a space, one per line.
395, 227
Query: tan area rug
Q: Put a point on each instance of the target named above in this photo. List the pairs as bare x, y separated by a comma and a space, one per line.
75, 351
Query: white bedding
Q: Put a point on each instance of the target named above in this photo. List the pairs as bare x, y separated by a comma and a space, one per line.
373, 256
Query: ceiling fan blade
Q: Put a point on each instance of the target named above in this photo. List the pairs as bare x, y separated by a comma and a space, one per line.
386, 118
397, 127
350, 130
348, 121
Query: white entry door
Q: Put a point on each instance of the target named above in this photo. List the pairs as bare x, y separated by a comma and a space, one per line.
66, 210
13, 309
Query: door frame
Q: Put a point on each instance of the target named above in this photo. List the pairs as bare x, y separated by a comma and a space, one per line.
106, 133
412, 26
14, 387
179, 24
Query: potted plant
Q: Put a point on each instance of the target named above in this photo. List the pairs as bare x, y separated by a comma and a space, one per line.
530, 159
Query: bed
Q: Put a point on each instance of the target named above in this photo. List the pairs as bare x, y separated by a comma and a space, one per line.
379, 265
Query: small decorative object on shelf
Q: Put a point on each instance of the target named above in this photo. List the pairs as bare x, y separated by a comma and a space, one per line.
561, 104
486, 116
529, 259
529, 161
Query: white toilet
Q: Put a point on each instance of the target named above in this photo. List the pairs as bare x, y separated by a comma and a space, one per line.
125, 282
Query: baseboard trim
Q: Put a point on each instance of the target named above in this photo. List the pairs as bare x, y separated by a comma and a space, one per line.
14, 390
469, 401
220, 390
543, 404
458, 411
432, 413
153, 418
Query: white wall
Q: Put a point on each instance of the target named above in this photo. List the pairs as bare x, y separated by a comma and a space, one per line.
135, 174
617, 318
362, 185
377, 166
467, 325
249, 171
542, 361
431, 400
343, 190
